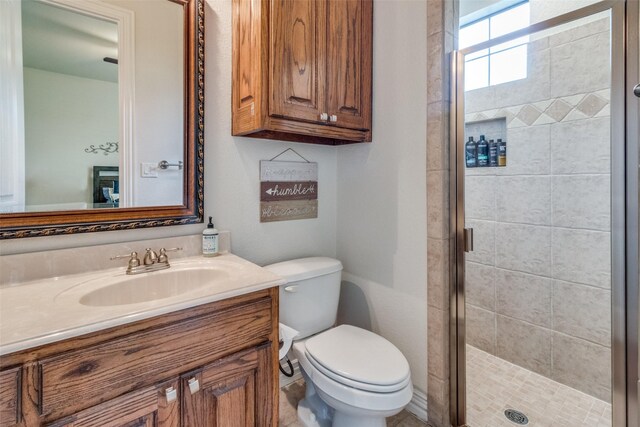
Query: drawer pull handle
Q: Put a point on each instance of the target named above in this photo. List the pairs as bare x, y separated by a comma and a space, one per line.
333, 118
291, 289
171, 394
194, 385
324, 117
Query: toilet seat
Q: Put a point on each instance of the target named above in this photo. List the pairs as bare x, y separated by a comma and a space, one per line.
352, 396
376, 388
358, 358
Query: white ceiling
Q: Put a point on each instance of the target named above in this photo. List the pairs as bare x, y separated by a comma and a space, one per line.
67, 42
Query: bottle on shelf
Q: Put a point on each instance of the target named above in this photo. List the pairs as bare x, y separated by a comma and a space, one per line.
493, 153
483, 152
502, 152
471, 153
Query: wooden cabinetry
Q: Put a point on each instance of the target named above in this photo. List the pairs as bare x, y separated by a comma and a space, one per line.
10, 389
138, 374
148, 407
302, 70
225, 393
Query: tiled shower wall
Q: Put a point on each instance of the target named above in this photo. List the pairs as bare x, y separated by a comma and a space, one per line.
538, 280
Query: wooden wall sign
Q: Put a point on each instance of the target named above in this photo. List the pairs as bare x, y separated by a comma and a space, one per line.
288, 190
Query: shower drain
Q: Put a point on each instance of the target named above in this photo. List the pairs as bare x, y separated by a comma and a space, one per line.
516, 417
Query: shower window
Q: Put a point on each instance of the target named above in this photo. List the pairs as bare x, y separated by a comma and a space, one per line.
503, 63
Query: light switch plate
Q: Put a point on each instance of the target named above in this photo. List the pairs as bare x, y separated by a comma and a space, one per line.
148, 170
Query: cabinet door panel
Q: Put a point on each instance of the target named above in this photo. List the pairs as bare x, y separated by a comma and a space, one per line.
142, 408
349, 28
297, 67
249, 99
233, 392
10, 390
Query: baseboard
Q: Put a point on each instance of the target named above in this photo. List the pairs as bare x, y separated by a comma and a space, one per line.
418, 404
285, 380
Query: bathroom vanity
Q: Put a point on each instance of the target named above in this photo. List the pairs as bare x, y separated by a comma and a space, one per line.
207, 356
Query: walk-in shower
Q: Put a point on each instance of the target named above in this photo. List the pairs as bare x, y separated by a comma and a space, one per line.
544, 204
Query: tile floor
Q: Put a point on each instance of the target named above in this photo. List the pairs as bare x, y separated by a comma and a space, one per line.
494, 385
292, 393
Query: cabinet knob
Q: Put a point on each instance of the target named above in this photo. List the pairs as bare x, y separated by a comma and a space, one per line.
324, 116
194, 385
171, 394
333, 118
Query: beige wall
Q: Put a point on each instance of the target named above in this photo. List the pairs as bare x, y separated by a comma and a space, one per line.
381, 210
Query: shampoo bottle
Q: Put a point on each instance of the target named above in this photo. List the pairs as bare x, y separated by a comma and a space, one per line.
493, 153
502, 152
471, 153
210, 240
483, 152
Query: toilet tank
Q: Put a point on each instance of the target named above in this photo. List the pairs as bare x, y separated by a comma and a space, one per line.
309, 299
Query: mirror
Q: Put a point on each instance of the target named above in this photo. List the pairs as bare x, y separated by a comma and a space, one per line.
105, 123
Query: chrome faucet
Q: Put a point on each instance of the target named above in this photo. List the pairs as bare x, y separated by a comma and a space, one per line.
152, 261
151, 257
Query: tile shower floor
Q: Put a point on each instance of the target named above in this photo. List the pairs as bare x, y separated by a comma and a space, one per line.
494, 385
292, 393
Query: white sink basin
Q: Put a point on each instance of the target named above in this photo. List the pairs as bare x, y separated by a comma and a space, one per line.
57, 308
152, 286
180, 281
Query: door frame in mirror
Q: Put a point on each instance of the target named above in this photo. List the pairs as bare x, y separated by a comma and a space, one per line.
33, 224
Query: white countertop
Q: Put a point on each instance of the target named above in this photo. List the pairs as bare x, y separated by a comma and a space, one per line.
49, 310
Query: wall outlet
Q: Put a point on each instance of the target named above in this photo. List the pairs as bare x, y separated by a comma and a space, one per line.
148, 170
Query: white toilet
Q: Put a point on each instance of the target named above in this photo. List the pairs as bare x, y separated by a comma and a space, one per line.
354, 377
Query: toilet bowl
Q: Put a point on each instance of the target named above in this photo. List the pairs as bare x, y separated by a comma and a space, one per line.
362, 390
354, 377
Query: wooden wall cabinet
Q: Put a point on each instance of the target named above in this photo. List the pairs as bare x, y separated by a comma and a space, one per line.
302, 70
142, 374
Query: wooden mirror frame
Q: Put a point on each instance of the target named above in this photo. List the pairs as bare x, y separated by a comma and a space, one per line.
33, 224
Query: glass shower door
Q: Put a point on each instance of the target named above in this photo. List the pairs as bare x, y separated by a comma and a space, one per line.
538, 157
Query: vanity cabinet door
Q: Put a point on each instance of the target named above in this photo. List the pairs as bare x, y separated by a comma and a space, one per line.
10, 390
156, 406
232, 392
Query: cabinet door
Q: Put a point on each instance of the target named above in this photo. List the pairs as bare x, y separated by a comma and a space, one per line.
349, 52
232, 392
10, 390
297, 66
156, 406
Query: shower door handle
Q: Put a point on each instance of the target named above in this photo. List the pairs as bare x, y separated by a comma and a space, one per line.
468, 239
636, 90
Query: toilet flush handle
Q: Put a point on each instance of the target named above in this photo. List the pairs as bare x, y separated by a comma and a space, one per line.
291, 289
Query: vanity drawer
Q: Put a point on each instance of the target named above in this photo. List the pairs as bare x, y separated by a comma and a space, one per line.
82, 378
10, 391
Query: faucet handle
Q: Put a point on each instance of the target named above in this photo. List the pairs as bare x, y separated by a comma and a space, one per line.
134, 261
162, 256
170, 250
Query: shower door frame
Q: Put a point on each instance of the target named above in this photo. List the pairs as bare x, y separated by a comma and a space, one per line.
624, 209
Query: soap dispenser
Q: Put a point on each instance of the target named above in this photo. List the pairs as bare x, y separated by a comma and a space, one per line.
210, 240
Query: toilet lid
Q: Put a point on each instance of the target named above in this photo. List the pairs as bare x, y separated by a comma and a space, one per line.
359, 355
